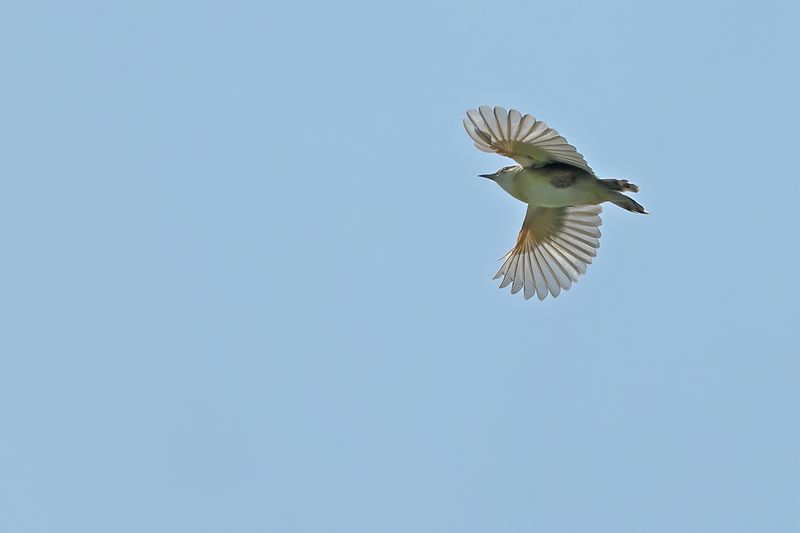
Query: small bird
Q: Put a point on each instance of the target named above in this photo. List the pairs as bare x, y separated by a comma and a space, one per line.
560, 233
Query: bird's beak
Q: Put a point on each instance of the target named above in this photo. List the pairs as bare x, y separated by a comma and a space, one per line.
485, 175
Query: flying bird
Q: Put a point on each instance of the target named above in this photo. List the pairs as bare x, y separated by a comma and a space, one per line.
560, 234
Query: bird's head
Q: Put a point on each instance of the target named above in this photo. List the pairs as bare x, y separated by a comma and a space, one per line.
502, 174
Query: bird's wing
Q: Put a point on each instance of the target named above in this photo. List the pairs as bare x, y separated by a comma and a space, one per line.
554, 247
524, 139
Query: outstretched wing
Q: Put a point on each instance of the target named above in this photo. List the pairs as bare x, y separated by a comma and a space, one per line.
524, 139
554, 247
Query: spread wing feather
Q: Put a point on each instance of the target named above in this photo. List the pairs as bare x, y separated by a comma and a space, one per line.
524, 139
554, 247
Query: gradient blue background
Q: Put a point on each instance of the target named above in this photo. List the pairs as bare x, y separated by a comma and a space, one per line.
246, 269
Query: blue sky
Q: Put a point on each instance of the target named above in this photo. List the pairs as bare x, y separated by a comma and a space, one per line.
247, 270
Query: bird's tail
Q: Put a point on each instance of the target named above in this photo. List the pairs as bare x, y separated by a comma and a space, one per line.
626, 202
620, 185
615, 188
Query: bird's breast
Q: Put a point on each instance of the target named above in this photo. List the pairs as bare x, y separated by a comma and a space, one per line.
547, 189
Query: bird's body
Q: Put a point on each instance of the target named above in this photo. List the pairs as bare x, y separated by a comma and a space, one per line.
552, 185
560, 233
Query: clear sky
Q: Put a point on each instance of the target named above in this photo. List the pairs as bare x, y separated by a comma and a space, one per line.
246, 270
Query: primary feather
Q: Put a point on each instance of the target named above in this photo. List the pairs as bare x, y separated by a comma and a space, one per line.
554, 247
524, 139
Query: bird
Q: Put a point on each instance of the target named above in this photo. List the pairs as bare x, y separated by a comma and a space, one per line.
560, 234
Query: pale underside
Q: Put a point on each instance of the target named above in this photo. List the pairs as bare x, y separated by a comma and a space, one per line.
543, 186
